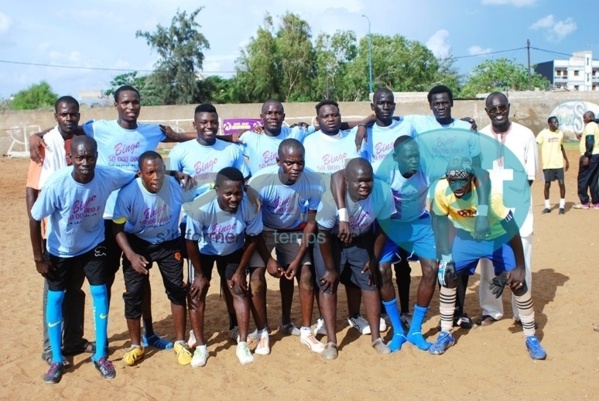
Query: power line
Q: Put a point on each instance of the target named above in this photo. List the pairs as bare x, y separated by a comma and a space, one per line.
98, 68
489, 53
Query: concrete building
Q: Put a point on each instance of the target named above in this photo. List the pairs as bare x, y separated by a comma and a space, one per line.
579, 73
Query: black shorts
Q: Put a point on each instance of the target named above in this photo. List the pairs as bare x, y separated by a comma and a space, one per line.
552, 174
226, 265
170, 264
350, 261
93, 264
114, 251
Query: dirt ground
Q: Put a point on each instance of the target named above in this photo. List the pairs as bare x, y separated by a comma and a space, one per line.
487, 362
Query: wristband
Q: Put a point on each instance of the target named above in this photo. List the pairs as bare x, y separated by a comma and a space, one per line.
343, 215
482, 210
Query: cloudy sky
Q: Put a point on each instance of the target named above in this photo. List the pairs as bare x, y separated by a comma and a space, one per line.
76, 45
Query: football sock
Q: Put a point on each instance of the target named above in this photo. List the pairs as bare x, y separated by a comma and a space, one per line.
100, 299
527, 313
547, 204
54, 321
415, 333
447, 298
562, 203
398, 334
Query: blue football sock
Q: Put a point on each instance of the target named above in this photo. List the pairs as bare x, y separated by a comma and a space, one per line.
415, 333
393, 313
100, 299
398, 334
54, 321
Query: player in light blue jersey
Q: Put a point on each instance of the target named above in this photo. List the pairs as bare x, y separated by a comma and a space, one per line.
74, 199
261, 148
146, 226
120, 143
285, 190
355, 260
222, 230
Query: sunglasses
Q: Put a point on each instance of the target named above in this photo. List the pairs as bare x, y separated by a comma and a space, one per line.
498, 109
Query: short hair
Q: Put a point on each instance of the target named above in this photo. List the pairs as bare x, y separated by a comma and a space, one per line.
85, 140
66, 99
401, 141
551, 118
439, 89
380, 91
124, 88
228, 174
205, 108
326, 102
495, 94
459, 168
290, 143
359, 163
275, 101
148, 155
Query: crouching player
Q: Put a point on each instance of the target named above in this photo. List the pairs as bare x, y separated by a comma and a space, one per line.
357, 260
75, 198
456, 198
222, 229
146, 227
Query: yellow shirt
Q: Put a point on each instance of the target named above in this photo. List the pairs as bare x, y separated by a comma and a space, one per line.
463, 211
551, 148
590, 129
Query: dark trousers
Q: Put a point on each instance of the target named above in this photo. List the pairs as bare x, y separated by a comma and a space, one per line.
588, 177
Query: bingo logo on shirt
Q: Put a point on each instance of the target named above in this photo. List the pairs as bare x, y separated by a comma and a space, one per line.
490, 159
83, 208
124, 154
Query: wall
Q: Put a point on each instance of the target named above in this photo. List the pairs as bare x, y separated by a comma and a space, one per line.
529, 108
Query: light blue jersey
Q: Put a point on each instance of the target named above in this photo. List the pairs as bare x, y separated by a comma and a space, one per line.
282, 205
75, 209
152, 217
439, 144
362, 214
120, 147
219, 232
262, 150
330, 153
381, 139
204, 162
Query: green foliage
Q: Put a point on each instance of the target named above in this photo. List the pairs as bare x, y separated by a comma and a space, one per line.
144, 84
501, 75
181, 58
37, 96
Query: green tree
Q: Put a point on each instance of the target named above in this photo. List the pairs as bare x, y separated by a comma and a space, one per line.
180, 49
37, 96
296, 58
448, 75
500, 75
333, 55
258, 67
144, 84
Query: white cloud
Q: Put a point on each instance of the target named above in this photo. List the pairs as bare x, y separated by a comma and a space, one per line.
439, 44
5, 23
515, 3
477, 50
555, 30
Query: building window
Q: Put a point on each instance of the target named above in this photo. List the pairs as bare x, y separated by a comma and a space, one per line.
575, 87
575, 73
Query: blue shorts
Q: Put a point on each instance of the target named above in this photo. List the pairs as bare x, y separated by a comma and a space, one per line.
415, 237
467, 252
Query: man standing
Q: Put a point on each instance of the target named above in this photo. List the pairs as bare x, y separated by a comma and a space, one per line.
520, 141
284, 190
554, 155
66, 114
146, 227
75, 198
367, 200
221, 229
588, 171
456, 199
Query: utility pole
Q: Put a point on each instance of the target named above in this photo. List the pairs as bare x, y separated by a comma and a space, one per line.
369, 55
528, 53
